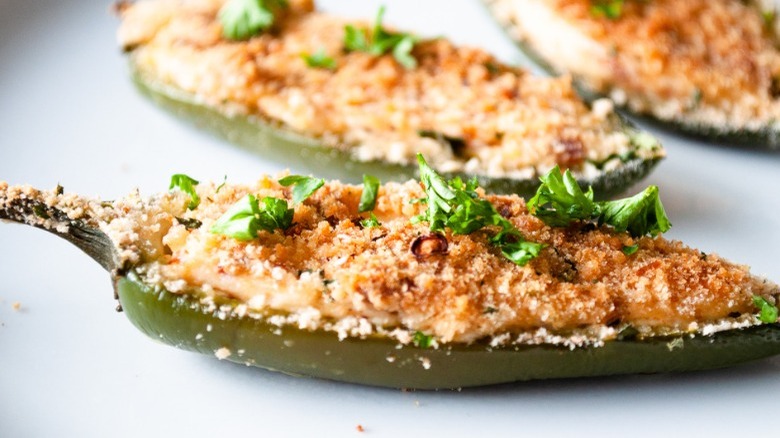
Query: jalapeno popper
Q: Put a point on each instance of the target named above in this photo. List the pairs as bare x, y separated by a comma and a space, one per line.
342, 99
430, 284
708, 67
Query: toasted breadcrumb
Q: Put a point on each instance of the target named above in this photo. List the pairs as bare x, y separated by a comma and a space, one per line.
16, 306
327, 272
222, 353
511, 123
360, 428
698, 62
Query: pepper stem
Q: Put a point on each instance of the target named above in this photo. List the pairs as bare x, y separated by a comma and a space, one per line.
28, 206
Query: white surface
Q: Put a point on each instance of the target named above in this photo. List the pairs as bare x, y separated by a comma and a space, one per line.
71, 366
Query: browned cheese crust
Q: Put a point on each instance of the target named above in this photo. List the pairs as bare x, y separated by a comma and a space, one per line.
328, 271
699, 62
512, 123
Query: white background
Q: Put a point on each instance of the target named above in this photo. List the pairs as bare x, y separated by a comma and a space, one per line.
71, 366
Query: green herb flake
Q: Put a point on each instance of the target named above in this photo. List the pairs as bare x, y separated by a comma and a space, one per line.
242, 19
303, 186
559, 201
187, 185
768, 312
240, 220
422, 340
769, 17
219, 187
629, 250
274, 214
319, 59
40, 211
611, 9
639, 215
190, 224
370, 222
457, 206
244, 218
380, 41
368, 196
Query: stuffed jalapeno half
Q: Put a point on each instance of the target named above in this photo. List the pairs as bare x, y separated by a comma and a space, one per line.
430, 284
707, 67
340, 99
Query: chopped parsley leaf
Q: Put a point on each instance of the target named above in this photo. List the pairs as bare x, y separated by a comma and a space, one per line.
422, 340
457, 206
219, 187
187, 185
369, 194
768, 312
303, 186
611, 9
560, 201
769, 17
380, 41
244, 218
629, 250
242, 19
639, 215
370, 222
319, 59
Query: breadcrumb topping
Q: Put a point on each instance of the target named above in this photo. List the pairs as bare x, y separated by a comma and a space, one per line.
460, 106
712, 63
327, 272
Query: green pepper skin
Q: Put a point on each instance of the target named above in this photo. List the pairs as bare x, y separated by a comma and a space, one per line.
280, 144
765, 138
180, 321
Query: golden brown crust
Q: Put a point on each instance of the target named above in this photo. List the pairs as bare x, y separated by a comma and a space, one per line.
328, 271
513, 124
707, 62
581, 280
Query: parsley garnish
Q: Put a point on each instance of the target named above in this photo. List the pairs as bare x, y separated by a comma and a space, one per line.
769, 17
639, 215
244, 218
560, 201
457, 206
370, 190
219, 187
380, 41
319, 59
611, 9
303, 186
422, 340
187, 185
370, 222
242, 19
629, 250
768, 312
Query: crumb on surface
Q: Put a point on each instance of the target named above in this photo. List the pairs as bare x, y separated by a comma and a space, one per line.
16, 305
222, 353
